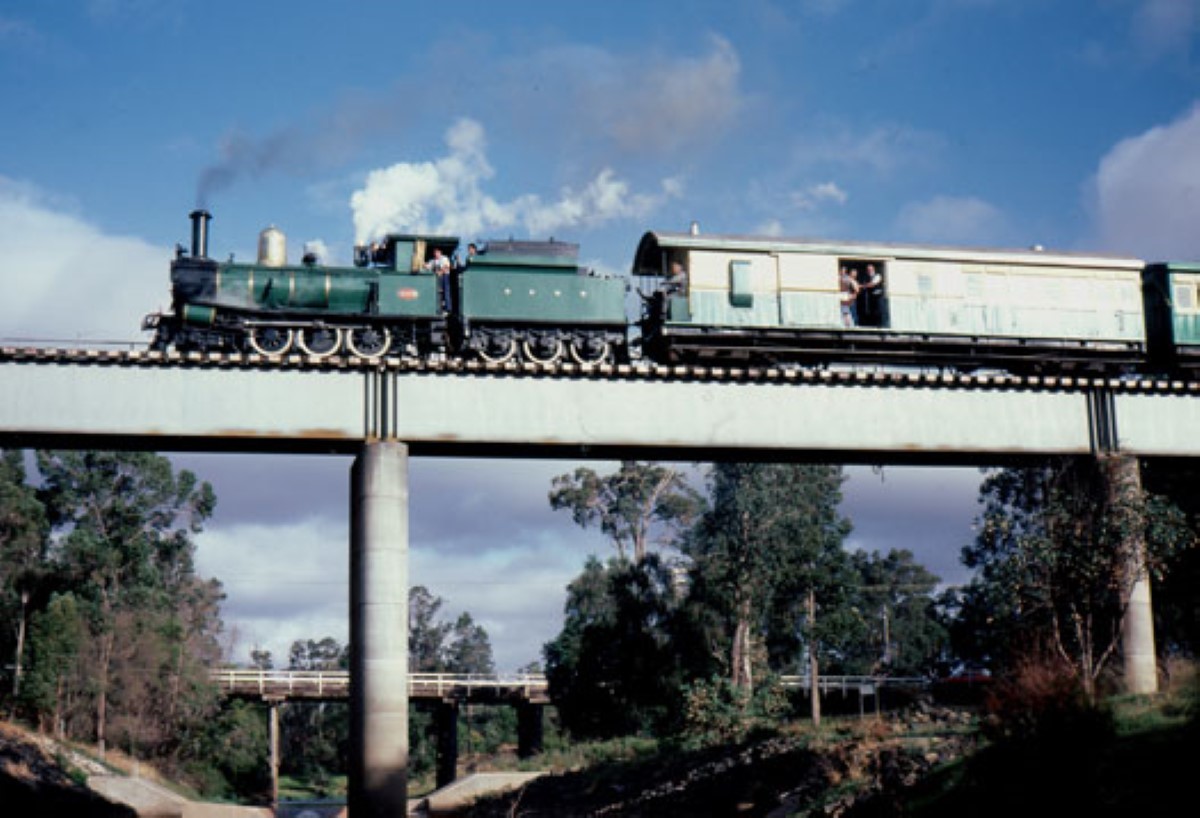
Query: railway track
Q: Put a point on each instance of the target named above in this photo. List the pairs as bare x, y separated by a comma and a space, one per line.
844, 376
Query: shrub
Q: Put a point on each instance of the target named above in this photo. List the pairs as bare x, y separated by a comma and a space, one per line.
716, 712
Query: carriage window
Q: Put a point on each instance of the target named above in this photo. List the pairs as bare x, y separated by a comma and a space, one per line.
741, 293
1184, 296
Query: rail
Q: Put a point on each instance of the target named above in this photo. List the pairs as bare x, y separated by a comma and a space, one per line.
875, 374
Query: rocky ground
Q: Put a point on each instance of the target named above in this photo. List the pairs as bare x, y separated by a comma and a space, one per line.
779, 776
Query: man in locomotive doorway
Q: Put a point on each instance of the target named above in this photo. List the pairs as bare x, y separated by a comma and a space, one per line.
677, 281
439, 264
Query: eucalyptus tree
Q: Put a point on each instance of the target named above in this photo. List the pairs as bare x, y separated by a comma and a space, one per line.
895, 604
618, 664
1053, 551
771, 538
23, 544
469, 649
123, 542
639, 506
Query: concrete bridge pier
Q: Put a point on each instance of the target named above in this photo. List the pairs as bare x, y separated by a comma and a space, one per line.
273, 705
1140, 671
378, 785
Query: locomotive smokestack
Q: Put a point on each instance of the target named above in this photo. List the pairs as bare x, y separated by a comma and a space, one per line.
200, 219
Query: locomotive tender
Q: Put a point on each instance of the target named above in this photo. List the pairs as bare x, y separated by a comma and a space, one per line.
705, 299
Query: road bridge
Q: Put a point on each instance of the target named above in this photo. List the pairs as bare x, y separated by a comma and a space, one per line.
527, 693
333, 685
383, 412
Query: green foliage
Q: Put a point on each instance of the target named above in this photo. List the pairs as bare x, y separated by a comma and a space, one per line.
642, 504
892, 624
616, 666
323, 654
1054, 552
718, 712
771, 538
121, 631
229, 756
23, 569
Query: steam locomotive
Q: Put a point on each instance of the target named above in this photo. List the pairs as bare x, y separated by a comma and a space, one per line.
703, 299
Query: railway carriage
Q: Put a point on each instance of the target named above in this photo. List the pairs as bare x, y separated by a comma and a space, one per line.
1171, 293
777, 300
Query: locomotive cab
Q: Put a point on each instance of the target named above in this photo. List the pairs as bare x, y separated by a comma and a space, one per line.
403, 253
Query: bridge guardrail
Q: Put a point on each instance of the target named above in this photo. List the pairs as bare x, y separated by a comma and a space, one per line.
335, 684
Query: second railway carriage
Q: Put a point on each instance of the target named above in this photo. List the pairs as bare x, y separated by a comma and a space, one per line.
1171, 294
769, 300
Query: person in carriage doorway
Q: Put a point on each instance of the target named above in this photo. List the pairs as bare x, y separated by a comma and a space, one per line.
870, 312
848, 289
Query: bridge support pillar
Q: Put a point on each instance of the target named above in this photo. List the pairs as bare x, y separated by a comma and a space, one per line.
446, 721
1137, 633
378, 785
273, 706
529, 729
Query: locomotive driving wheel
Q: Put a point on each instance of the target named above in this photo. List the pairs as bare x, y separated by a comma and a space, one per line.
320, 342
369, 343
590, 352
498, 349
543, 351
270, 340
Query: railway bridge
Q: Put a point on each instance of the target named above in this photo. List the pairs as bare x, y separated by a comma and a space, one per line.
383, 413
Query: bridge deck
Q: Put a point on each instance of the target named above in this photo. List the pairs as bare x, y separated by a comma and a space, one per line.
162, 402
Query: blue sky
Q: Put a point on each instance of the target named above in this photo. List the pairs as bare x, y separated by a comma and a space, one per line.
1073, 124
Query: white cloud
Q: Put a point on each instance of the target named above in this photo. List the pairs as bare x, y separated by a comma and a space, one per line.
813, 196
446, 195
952, 219
1146, 191
64, 279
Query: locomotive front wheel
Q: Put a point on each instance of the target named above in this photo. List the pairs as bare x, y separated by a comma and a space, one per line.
270, 340
543, 353
590, 354
369, 342
320, 342
498, 351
